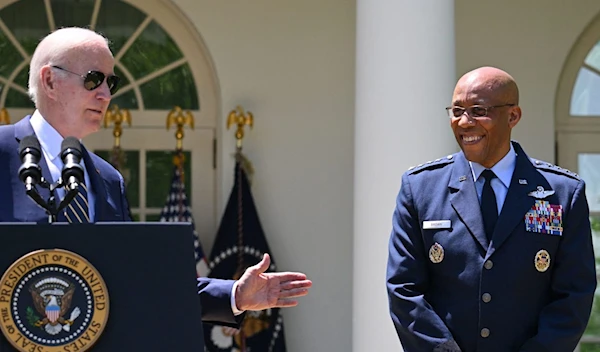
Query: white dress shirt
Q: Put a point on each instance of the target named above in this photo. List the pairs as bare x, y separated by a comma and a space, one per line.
50, 141
503, 169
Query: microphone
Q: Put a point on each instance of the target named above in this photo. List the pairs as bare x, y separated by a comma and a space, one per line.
30, 172
72, 172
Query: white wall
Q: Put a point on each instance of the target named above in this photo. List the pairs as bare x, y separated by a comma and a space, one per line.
530, 40
292, 65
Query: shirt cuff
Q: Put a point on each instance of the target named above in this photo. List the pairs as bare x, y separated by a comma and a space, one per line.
235, 310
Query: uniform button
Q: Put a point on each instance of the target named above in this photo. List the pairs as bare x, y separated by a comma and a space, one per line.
486, 297
488, 264
485, 332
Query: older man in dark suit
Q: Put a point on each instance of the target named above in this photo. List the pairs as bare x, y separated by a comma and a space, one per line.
490, 250
71, 83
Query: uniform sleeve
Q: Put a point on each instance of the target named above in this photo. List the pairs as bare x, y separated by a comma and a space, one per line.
417, 324
564, 319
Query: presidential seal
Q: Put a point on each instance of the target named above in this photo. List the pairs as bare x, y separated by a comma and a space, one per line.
52, 300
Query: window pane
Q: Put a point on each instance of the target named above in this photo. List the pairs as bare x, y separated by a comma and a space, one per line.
123, 79
30, 30
10, 56
584, 101
16, 99
593, 57
68, 13
153, 217
152, 50
159, 172
129, 167
176, 87
589, 170
22, 77
126, 101
117, 20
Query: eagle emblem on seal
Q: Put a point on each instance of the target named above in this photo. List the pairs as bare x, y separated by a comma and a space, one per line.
52, 298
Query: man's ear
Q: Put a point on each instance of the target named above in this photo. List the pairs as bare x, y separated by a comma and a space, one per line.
514, 117
48, 82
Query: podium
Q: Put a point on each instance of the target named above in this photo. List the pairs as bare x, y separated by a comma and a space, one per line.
114, 286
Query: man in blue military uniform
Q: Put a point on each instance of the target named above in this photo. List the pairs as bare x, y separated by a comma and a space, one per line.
490, 250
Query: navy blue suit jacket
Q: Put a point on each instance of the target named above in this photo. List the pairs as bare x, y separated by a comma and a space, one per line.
110, 205
488, 296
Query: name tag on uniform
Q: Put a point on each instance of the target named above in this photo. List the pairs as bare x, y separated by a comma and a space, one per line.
436, 224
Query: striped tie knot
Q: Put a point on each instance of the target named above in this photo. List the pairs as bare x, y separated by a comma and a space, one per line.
78, 209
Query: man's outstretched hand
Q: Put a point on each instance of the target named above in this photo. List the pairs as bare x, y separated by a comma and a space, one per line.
258, 290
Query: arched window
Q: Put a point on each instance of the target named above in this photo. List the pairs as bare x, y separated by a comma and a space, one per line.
578, 139
162, 62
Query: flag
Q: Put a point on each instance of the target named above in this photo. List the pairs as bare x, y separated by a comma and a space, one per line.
177, 209
240, 243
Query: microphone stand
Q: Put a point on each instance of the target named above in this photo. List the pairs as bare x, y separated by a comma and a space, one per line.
50, 205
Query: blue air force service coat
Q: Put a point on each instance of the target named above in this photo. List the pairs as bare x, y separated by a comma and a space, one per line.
528, 289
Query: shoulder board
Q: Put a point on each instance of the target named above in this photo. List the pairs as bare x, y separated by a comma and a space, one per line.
554, 168
432, 164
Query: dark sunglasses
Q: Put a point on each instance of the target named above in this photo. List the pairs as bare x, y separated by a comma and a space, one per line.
93, 80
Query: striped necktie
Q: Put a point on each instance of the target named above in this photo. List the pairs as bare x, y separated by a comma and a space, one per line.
78, 210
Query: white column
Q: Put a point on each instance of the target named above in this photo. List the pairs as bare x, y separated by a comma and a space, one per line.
405, 74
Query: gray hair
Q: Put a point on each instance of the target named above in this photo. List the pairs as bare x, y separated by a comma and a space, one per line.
54, 48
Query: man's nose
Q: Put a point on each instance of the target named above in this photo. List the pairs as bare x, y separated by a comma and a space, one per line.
465, 120
103, 92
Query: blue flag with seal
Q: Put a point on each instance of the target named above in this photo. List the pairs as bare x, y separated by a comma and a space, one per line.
240, 243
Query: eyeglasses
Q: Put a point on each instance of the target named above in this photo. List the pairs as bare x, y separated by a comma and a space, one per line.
473, 111
93, 80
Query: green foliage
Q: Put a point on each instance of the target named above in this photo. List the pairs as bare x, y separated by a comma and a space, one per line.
32, 318
595, 221
591, 347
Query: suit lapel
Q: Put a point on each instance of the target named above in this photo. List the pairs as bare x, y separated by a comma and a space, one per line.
98, 186
517, 201
23, 129
464, 200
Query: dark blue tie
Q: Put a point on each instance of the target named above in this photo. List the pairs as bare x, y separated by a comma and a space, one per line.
489, 209
78, 210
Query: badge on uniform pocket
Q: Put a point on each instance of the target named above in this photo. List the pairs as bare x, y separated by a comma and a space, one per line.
544, 217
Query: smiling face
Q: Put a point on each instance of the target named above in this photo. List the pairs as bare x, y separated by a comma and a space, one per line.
486, 139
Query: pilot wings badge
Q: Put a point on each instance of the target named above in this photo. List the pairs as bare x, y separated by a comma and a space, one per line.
540, 193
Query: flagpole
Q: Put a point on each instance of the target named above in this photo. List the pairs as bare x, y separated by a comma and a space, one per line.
241, 119
180, 118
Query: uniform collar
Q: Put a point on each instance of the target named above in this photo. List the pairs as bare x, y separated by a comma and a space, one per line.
503, 169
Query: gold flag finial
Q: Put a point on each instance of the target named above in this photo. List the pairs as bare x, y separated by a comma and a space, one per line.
117, 116
240, 118
180, 118
4, 117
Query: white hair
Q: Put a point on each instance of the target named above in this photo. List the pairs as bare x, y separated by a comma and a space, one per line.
54, 48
